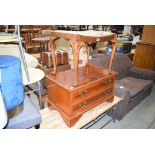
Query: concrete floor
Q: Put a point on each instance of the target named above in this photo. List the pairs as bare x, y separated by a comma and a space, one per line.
141, 117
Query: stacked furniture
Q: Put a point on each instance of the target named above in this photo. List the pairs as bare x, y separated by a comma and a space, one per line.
133, 84
30, 75
145, 49
78, 90
17, 111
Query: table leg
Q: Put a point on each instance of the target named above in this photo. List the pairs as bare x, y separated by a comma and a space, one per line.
88, 53
41, 48
75, 61
112, 54
52, 48
76, 46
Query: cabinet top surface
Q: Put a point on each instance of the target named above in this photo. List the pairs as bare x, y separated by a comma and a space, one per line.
90, 35
86, 76
146, 43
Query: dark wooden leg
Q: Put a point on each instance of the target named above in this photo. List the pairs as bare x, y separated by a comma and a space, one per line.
37, 126
110, 99
70, 121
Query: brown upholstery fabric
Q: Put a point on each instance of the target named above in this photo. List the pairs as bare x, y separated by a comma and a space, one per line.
121, 63
134, 85
142, 73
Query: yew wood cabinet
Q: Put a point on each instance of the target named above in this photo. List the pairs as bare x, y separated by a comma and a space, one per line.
75, 91
95, 86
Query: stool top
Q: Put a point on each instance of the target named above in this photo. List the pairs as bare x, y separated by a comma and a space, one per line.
6, 60
8, 37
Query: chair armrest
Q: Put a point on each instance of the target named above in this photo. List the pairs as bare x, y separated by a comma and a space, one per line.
121, 91
141, 73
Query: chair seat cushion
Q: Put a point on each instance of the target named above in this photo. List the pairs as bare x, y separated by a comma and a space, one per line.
134, 85
29, 117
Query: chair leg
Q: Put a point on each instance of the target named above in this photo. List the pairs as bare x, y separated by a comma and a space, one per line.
40, 90
37, 126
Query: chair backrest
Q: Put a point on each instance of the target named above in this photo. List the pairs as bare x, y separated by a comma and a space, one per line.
45, 33
121, 63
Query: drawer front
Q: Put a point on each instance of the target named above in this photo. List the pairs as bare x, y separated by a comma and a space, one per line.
92, 102
85, 92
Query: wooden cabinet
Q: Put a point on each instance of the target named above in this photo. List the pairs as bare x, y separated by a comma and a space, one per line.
95, 86
145, 56
148, 34
145, 49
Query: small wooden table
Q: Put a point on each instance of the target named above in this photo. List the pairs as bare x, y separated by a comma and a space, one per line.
78, 39
43, 42
25, 30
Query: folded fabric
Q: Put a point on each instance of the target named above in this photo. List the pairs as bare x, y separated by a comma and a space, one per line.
11, 81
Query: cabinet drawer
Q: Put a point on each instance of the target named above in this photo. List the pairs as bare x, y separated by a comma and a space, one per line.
93, 88
92, 102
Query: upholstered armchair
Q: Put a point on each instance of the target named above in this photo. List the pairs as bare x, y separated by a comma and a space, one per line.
132, 84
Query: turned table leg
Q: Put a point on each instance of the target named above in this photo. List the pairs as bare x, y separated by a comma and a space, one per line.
88, 53
112, 54
52, 47
76, 46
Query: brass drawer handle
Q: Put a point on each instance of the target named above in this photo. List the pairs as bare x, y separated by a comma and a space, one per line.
107, 92
85, 91
107, 81
110, 81
82, 93
83, 104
